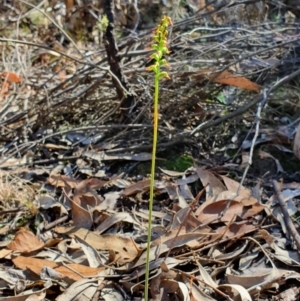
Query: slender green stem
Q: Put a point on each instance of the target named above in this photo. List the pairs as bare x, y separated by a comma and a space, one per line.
155, 129
160, 45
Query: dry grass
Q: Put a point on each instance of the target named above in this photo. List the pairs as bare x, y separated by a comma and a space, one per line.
14, 192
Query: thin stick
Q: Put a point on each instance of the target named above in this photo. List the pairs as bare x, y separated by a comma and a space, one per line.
287, 219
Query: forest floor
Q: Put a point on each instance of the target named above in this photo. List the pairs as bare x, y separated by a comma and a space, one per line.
76, 119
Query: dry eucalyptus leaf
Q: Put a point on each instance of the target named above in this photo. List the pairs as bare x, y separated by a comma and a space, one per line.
127, 250
213, 185
25, 242
81, 290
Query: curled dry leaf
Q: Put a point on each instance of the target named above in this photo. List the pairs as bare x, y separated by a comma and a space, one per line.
252, 277
265, 155
244, 295
213, 185
233, 254
82, 290
206, 277
247, 259
48, 202
233, 186
85, 197
172, 173
190, 223
91, 254
82, 218
157, 283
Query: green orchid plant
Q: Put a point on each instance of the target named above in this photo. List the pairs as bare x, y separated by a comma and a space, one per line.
160, 48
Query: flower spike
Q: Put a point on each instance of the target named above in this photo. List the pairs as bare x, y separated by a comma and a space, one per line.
160, 45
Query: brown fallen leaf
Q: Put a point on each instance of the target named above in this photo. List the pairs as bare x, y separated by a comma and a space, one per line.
245, 194
236, 229
81, 217
191, 222
213, 185
137, 187
213, 210
251, 211
71, 272
227, 78
83, 270
230, 79
141, 186
25, 242
85, 197
173, 239
252, 277
126, 249
233, 185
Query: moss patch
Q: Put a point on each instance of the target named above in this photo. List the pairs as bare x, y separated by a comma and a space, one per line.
180, 163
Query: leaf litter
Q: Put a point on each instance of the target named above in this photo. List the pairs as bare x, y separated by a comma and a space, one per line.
109, 245
78, 231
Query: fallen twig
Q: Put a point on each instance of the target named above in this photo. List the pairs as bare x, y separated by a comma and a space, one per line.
287, 219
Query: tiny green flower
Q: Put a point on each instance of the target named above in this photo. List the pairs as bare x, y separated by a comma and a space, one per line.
163, 74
